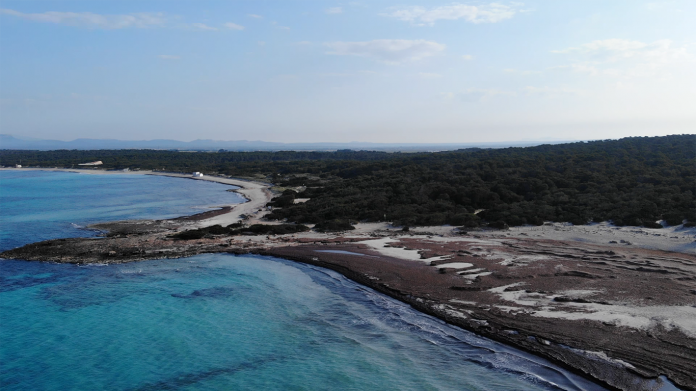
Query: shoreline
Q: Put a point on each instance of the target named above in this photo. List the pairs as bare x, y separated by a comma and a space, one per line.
256, 194
478, 294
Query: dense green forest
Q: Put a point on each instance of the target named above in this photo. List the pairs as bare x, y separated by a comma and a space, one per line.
209, 162
632, 181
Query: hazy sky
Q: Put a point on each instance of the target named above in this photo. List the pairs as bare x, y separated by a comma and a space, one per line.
381, 71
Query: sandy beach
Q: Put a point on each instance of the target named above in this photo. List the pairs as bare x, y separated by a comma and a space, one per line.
257, 194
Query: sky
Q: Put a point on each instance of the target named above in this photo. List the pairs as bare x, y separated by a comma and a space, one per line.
326, 71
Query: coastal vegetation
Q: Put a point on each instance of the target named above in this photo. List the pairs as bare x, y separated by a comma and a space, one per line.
240, 229
633, 181
333, 226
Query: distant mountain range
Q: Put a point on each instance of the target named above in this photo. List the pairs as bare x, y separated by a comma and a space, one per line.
10, 142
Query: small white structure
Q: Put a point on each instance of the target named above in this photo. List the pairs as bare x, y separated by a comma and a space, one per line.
18, 166
97, 163
197, 174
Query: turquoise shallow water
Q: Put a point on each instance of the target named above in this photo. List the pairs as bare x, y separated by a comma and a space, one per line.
40, 205
223, 322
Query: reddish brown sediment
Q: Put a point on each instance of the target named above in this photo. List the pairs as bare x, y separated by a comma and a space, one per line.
649, 352
606, 312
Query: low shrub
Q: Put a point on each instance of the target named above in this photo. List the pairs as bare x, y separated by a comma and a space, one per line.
333, 226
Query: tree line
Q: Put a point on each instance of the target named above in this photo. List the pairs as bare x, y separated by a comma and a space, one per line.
632, 181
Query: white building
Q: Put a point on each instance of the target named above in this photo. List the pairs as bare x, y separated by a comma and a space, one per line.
197, 174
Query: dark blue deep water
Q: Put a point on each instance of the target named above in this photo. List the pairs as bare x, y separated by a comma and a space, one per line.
213, 322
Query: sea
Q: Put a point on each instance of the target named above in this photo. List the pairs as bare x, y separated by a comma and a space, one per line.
213, 321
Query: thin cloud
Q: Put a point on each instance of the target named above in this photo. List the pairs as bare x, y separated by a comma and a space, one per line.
334, 10
203, 26
274, 23
614, 50
487, 13
334, 74
550, 92
623, 58
255, 16
392, 51
234, 26
467, 57
92, 20
521, 72
578, 68
481, 95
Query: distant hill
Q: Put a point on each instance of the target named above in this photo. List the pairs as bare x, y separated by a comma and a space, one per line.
10, 142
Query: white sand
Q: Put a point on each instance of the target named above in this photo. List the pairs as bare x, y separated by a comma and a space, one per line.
470, 271
451, 311
466, 239
455, 265
669, 317
399, 252
673, 238
603, 356
517, 260
463, 302
473, 276
256, 193
638, 317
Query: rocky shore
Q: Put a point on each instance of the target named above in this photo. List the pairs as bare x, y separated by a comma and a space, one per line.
623, 315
